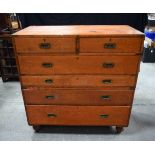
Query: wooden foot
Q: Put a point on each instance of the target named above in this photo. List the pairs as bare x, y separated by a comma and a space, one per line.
36, 128
119, 129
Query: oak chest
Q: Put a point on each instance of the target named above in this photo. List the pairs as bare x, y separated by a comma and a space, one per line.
78, 75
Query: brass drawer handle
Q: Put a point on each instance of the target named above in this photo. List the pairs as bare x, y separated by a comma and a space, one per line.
51, 115
110, 45
50, 97
107, 81
45, 45
104, 116
105, 97
48, 81
47, 65
108, 65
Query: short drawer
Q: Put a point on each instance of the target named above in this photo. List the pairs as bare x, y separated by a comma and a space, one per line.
45, 45
78, 96
111, 45
45, 65
78, 115
53, 81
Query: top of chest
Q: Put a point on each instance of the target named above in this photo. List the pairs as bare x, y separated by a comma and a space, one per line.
90, 30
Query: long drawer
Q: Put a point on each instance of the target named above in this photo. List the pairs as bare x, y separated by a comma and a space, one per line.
78, 96
78, 115
111, 45
79, 81
78, 64
45, 45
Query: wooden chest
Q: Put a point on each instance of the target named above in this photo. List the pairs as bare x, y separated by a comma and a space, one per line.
78, 75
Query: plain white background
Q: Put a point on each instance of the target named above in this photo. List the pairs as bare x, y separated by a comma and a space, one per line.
77, 6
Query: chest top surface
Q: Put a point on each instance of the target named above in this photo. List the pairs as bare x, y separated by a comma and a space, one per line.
89, 30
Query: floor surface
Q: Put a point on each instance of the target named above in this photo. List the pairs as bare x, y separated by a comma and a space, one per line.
13, 124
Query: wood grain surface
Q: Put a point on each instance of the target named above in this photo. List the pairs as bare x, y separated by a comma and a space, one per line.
83, 30
122, 45
33, 65
78, 97
57, 45
78, 115
83, 81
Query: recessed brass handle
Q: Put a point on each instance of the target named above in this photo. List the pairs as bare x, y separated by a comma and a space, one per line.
104, 115
51, 115
45, 45
50, 97
47, 65
105, 97
108, 65
107, 81
48, 81
110, 45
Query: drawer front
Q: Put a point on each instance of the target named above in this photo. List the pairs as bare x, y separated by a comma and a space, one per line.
45, 45
78, 64
78, 97
78, 115
79, 80
110, 45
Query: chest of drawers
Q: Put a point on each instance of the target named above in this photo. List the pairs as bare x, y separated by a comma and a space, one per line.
78, 75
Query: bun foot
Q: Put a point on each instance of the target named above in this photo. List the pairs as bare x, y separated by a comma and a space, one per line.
119, 129
36, 128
